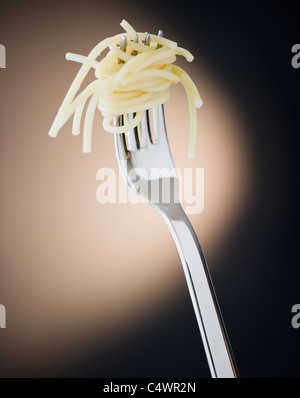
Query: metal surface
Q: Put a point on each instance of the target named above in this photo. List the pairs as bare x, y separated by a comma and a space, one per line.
149, 172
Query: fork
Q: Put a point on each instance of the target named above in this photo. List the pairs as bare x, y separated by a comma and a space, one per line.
145, 162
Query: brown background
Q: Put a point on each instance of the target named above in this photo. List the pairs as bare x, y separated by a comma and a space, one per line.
79, 279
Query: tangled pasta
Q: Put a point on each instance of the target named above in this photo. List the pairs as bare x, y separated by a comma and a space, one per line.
127, 82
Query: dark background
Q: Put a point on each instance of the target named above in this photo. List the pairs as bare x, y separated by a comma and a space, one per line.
247, 45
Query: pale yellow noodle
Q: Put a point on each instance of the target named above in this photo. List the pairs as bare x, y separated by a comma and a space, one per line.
126, 84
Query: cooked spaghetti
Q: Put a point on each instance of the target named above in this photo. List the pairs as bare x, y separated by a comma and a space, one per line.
127, 82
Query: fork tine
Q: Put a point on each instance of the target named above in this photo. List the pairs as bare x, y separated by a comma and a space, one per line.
131, 141
132, 137
157, 112
120, 140
144, 128
156, 124
119, 120
121, 150
160, 125
144, 131
123, 47
160, 33
125, 142
147, 39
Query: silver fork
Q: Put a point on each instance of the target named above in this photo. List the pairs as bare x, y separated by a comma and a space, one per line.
146, 163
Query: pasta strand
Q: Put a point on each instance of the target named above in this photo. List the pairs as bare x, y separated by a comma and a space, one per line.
126, 84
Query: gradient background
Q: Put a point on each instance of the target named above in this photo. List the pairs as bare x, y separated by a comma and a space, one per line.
97, 290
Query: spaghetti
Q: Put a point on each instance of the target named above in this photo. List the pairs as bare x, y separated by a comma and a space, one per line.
129, 81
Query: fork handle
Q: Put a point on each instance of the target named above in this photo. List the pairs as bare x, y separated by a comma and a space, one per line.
215, 340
